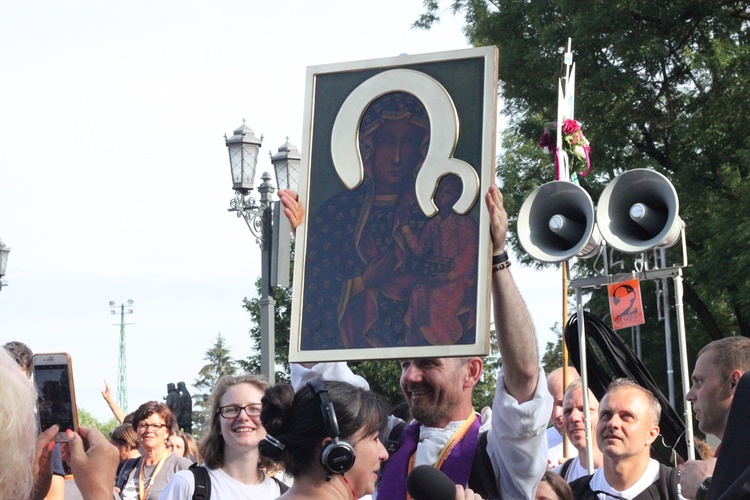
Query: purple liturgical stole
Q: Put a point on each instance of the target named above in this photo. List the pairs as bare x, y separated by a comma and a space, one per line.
457, 465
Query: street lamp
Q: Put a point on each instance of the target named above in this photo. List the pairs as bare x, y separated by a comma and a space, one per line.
4, 251
261, 218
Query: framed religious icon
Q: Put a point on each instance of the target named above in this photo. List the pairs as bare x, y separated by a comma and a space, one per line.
393, 254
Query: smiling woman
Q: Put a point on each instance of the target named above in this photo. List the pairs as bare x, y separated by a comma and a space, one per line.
230, 448
149, 474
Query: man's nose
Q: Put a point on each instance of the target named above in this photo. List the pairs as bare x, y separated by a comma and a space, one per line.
690, 396
412, 374
614, 422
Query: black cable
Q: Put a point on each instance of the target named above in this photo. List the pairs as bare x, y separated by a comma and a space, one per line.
621, 362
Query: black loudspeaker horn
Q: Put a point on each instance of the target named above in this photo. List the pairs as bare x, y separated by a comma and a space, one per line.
557, 222
638, 211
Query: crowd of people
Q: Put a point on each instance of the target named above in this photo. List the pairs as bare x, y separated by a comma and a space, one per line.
324, 434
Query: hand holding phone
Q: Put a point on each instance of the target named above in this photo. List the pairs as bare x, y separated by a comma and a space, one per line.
93, 461
56, 403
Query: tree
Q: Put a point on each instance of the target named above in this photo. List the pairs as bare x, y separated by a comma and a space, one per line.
219, 363
484, 391
659, 85
86, 419
553, 356
282, 325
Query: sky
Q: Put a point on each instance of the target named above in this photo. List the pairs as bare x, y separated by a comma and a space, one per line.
114, 175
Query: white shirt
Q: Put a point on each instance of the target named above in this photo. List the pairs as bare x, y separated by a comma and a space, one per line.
223, 486
554, 445
649, 476
575, 470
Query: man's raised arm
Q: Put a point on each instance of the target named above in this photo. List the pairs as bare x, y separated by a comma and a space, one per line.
515, 329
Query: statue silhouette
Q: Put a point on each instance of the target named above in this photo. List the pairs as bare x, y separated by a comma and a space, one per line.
185, 417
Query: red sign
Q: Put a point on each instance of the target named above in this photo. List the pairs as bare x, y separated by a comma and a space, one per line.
625, 304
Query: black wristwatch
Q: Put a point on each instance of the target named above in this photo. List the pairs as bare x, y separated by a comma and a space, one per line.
703, 489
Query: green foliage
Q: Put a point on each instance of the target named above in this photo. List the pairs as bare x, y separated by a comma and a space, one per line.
553, 356
661, 85
383, 377
484, 391
282, 325
218, 363
86, 419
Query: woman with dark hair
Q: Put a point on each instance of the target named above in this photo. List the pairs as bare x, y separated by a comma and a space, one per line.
319, 431
147, 476
553, 487
230, 447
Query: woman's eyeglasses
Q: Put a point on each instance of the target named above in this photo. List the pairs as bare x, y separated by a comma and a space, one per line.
232, 411
154, 427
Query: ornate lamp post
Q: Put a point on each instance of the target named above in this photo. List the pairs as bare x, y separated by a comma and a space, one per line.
4, 251
262, 216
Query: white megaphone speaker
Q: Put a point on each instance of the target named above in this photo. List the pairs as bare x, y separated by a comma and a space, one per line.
638, 211
557, 222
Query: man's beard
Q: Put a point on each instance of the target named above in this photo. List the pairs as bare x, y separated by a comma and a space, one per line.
429, 417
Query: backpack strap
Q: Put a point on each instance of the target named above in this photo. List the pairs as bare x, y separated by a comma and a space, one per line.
394, 438
670, 482
283, 488
581, 488
202, 489
482, 476
664, 488
127, 468
566, 467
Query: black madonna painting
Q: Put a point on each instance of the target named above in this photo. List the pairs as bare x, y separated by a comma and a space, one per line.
392, 257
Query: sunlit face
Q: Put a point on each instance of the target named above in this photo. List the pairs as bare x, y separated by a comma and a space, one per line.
625, 428
177, 445
370, 452
152, 432
396, 153
434, 389
554, 384
243, 431
711, 395
573, 415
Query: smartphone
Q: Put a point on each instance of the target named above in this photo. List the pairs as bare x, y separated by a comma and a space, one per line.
56, 399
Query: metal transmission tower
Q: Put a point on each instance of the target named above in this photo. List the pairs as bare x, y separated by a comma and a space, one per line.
122, 379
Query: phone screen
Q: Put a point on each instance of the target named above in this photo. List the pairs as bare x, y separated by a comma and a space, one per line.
55, 402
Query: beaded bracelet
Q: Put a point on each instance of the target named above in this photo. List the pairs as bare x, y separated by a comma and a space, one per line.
500, 261
502, 265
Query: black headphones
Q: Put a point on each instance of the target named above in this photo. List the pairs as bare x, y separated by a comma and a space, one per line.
337, 456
